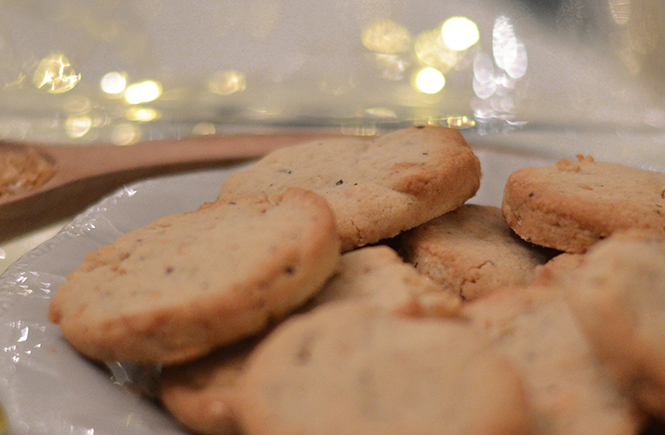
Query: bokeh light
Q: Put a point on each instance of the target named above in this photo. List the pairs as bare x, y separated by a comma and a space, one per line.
429, 80
227, 82
432, 51
143, 92
386, 36
77, 126
141, 114
459, 33
55, 74
113, 83
126, 134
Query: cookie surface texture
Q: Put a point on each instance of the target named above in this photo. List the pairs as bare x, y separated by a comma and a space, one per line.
201, 394
572, 205
471, 251
569, 390
352, 369
376, 188
377, 275
618, 294
185, 284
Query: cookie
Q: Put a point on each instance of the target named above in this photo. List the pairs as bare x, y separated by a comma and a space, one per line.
618, 296
570, 392
188, 283
376, 188
556, 269
377, 275
572, 205
201, 394
471, 251
352, 369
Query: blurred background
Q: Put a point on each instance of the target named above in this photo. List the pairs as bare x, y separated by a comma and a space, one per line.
558, 77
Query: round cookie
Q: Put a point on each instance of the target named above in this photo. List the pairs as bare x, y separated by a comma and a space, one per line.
471, 251
571, 205
557, 269
618, 296
569, 391
377, 275
353, 369
201, 394
376, 188
176, 289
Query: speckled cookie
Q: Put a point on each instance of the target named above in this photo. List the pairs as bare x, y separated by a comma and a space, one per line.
618, 296
352, 369
377, 275
187, 283
472, 251
569, 391
201, 394
376, 188
571, 205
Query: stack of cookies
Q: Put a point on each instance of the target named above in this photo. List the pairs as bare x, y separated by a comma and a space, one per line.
348, 286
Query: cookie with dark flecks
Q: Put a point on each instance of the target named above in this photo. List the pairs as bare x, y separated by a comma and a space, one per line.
353, 369
569, 390
471, 251
378, 275
185, 284
377, 188
572, 205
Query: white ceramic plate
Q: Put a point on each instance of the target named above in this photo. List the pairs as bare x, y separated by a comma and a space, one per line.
45, 386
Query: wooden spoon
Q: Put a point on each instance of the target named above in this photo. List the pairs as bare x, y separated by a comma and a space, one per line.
83, 174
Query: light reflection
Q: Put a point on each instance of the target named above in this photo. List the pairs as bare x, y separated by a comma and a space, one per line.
24, 335
113, 83
143, 92
429, 80
509, 52
141, 114
432, 51
77, 126
392, 66
126, 134
227, 82
460, 122
459, 33
620, 11
55, 74
386, 36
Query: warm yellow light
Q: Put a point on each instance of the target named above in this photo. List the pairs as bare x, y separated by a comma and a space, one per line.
227, 82
143, 92
77, 126
459, 33
113, 83
460, 122
126, 134
430, 80
386, 36
55, 74
141, 114
432, 51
